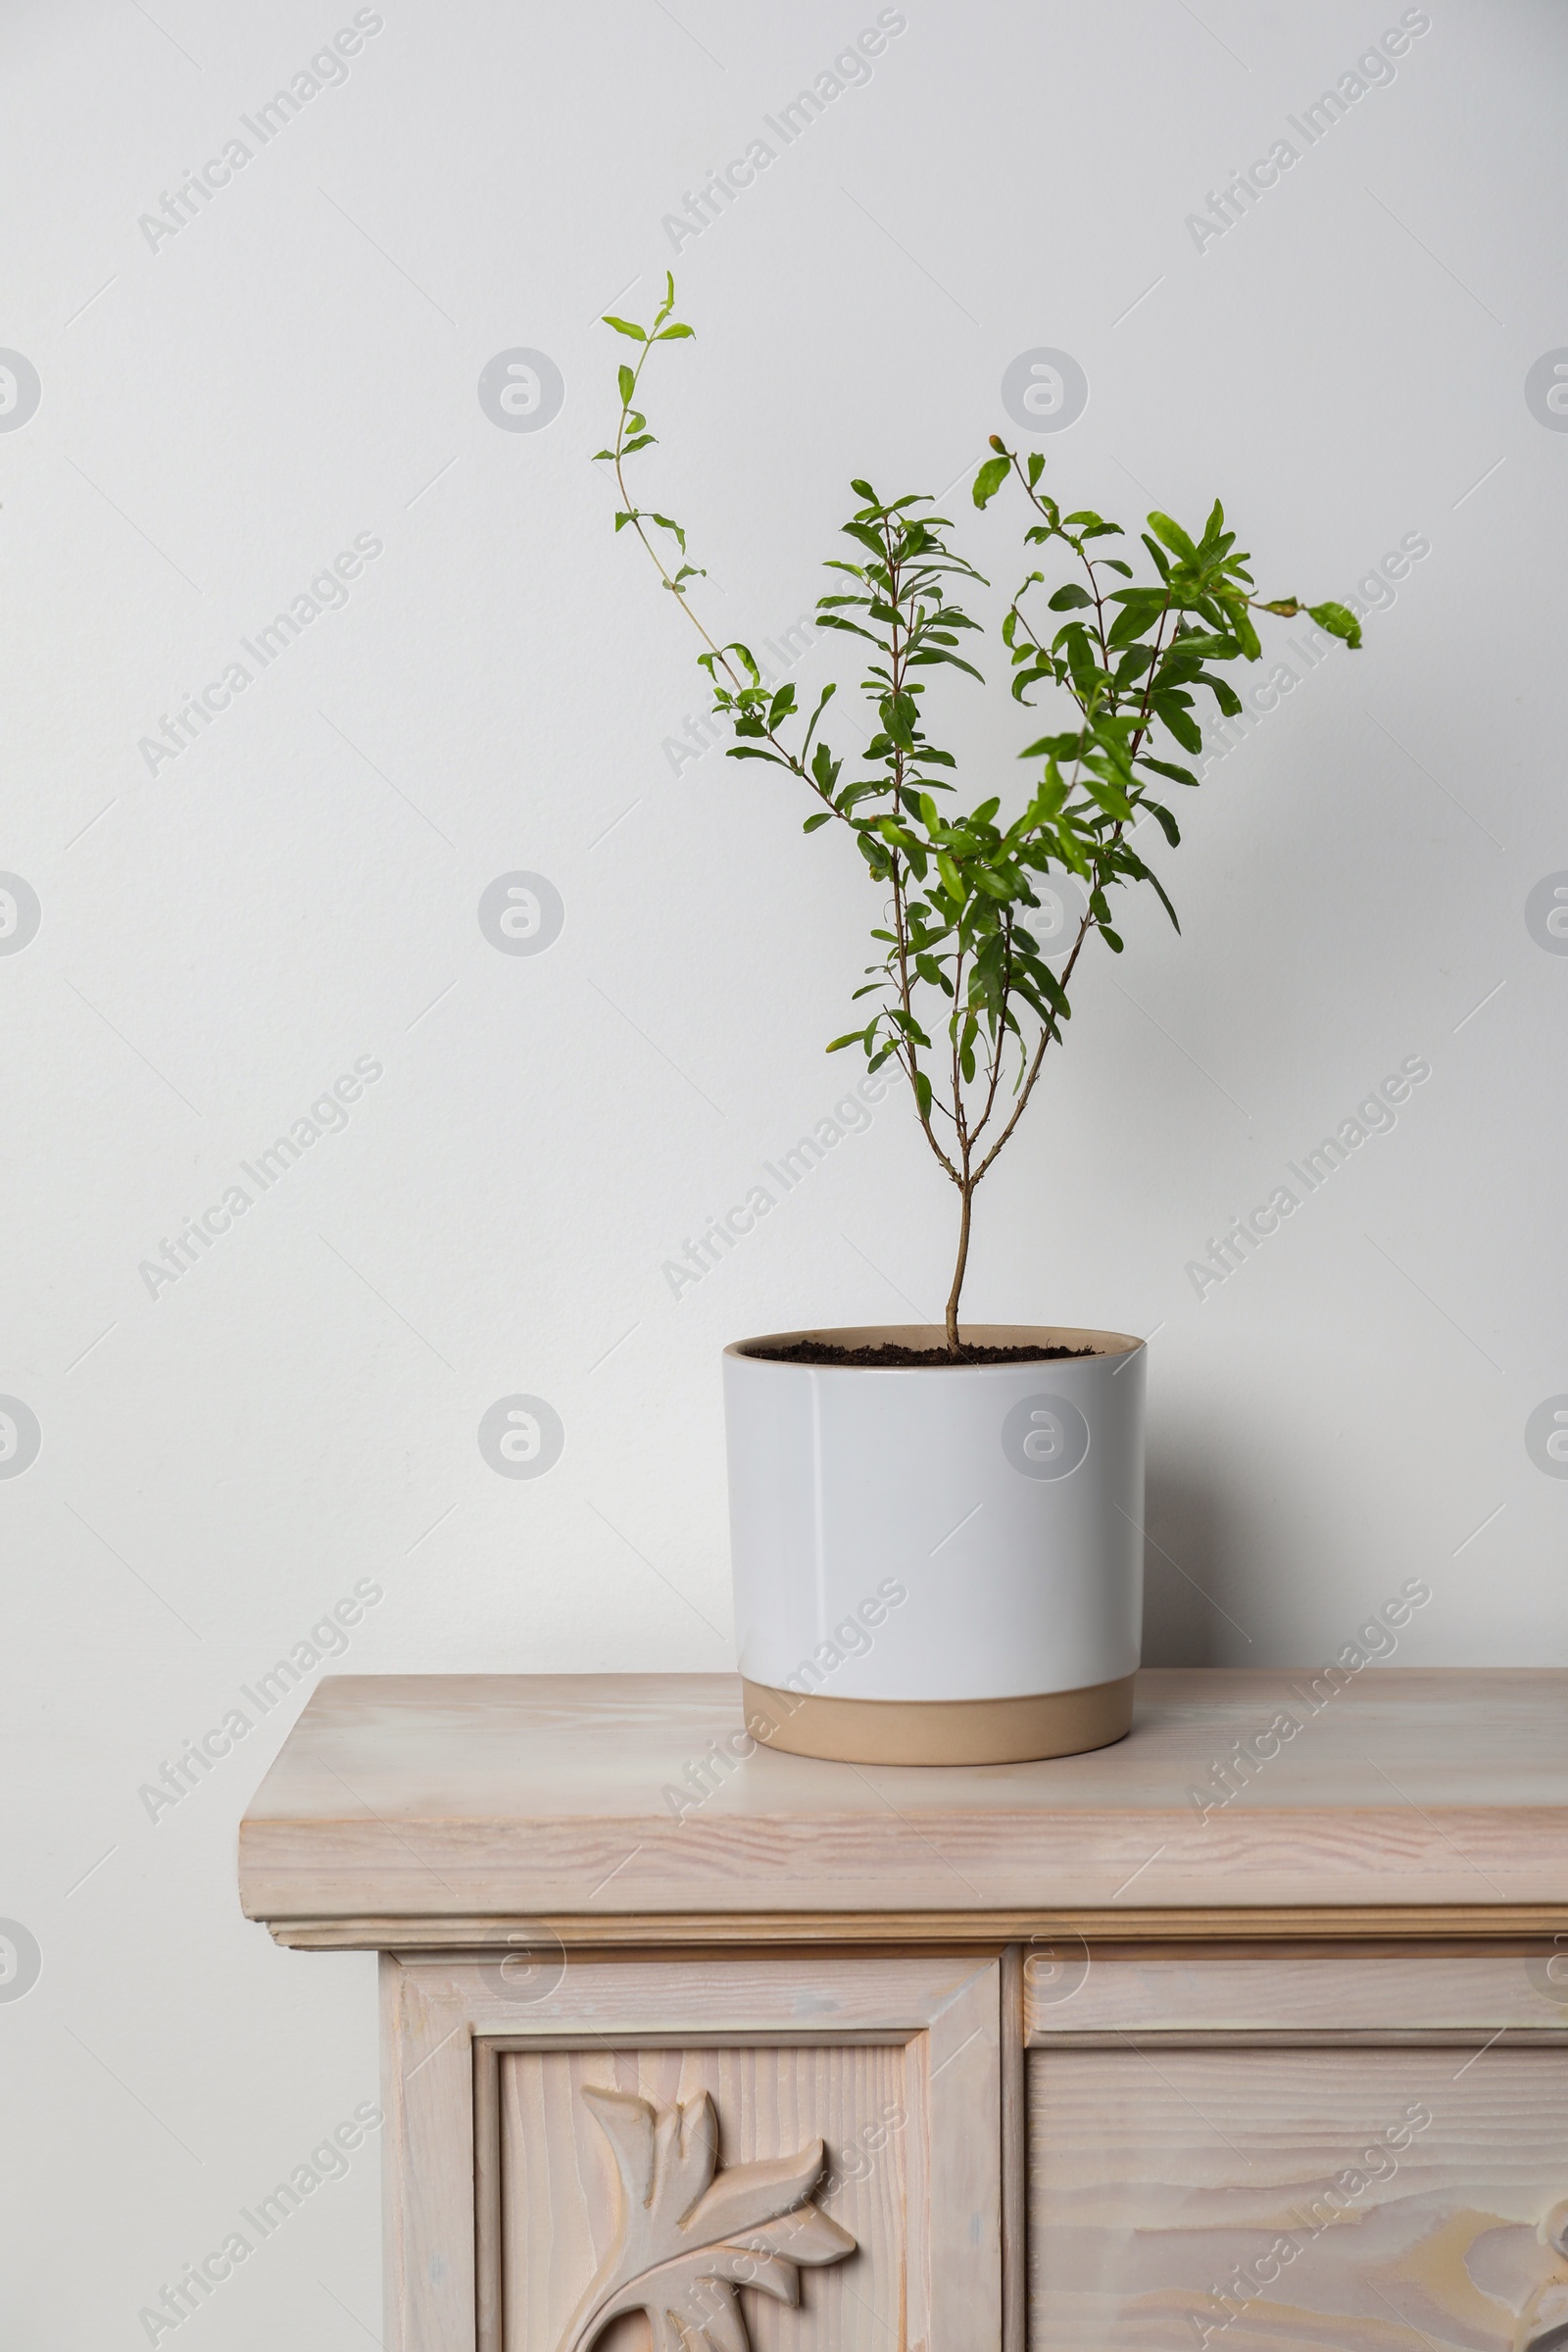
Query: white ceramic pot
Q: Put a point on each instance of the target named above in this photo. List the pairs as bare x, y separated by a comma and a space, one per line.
938, 1564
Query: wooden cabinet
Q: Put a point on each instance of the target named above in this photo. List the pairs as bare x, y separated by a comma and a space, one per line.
697, 2048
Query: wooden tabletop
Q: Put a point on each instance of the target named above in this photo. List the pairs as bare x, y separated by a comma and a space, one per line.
435, 1809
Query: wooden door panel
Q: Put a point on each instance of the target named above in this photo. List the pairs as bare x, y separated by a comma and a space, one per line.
667, 2155
561, 2194
1367, 2200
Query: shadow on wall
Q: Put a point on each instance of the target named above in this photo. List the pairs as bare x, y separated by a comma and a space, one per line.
1192, 1565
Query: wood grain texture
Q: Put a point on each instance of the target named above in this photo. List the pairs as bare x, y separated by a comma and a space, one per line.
753, 1996
427, 2164
427, 1798
1249, 2201
1301, 1926
1467, 1997
490, 2148
1015, 2155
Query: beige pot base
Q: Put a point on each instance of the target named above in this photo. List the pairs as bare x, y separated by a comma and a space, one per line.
941, 1730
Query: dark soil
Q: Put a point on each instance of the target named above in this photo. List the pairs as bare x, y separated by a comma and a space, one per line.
892, 1354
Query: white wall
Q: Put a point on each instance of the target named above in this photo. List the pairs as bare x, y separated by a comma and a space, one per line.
224, 411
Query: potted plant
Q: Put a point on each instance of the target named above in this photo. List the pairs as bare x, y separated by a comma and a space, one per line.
937, 1532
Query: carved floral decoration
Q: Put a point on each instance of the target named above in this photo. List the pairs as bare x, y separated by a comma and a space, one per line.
1544, 2323
689, 2238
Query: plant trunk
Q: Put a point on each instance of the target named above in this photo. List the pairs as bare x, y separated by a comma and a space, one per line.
967, 1194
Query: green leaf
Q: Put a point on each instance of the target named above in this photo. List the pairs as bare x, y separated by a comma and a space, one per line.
624, 327
1140, 600
671, 334
900, 711
1068, 598
823, 816
1080, 660
1137, 618
1155, 884
1110, 797
1338, 622
1202, 645
851, 628
1030, 677
1047, 986
1224, 693
1174, 537
1164, 768
990, 478
628, 384
1177, 720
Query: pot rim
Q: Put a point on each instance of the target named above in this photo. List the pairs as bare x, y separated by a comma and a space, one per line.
933, 1336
